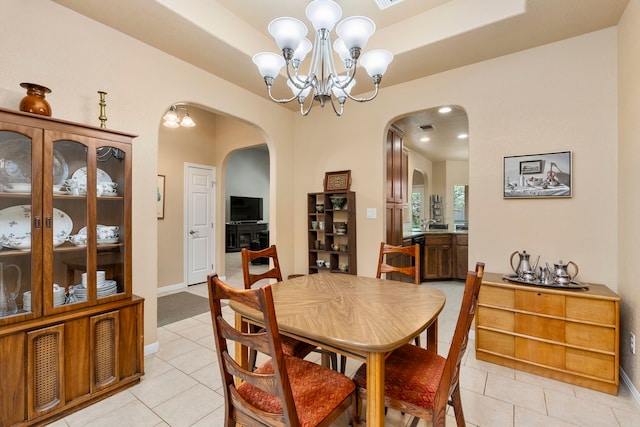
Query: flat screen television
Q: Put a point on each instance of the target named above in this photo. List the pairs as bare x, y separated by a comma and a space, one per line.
245, 209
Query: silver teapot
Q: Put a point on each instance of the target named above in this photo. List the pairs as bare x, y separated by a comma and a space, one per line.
524, 266
561, 272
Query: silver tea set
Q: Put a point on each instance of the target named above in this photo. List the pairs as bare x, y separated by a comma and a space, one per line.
547, 275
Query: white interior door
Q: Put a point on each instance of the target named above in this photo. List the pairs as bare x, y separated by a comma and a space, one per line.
199, 222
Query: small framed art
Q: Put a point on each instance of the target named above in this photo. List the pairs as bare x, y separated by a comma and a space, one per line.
537, 175
337, 181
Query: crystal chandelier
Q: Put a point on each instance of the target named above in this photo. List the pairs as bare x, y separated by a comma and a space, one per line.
322, 80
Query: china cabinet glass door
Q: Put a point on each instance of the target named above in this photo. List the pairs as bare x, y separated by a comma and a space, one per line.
85, 200
19, 218
66, 224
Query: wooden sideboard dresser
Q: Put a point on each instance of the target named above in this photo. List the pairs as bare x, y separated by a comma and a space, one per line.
568, 335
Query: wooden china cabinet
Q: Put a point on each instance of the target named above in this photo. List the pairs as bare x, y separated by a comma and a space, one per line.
71, 332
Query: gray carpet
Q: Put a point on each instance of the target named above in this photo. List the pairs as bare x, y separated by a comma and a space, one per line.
179, 306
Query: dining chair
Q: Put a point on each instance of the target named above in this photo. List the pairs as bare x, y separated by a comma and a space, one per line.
285, 390
420, 382
290, 346
394, 254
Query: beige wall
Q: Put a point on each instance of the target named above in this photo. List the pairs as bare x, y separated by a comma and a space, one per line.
628, 206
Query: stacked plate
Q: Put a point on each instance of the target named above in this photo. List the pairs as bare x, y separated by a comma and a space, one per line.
26, 301
108, 287
100, 276
59, 297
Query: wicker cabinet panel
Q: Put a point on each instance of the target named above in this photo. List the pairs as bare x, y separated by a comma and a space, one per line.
104, 351
46, 370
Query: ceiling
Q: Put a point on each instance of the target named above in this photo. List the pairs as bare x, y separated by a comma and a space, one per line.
425, 36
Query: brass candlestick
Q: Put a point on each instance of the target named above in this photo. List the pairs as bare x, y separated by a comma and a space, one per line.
103, 104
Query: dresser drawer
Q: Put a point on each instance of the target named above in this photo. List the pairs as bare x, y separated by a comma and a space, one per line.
589, 363
499, 297
593, 310
495, 342
540, 327
542, 353
591, 336
496, 318
540, 302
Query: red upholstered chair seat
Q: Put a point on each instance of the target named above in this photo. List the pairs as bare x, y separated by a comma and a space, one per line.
316, 390
412, 375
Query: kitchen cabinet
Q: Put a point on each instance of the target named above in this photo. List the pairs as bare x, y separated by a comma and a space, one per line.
567, 335
461, 255
438, 256
70, 328
240, 236
332, 232
397, 185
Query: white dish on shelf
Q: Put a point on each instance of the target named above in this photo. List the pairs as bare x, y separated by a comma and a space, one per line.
16, 153
80, 176
109, 241
15, 224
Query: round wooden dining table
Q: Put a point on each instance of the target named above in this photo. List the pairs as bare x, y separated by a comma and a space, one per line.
360, 317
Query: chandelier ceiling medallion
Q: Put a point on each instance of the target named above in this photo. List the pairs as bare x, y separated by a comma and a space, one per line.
322, 83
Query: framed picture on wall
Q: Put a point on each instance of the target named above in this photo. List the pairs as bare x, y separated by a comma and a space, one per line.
537, 175
160, 197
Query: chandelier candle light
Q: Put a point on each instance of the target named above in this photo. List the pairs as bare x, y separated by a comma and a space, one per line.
327, 85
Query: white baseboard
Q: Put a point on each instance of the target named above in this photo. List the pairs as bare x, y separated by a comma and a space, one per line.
170, 288
152, 348
634, 391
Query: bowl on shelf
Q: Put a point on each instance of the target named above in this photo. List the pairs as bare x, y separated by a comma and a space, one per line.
340, 227
343, 268
337, 202
320, 208
320, 263
327, 264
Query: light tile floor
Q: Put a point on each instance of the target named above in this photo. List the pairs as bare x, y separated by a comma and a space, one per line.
181, 385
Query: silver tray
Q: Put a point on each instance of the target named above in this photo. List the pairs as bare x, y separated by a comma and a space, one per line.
574, 284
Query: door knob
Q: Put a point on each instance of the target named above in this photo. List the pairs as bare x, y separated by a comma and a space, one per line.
192, 232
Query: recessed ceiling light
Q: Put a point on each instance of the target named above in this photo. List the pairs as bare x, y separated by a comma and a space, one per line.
424, 139
463, 136
444, 110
